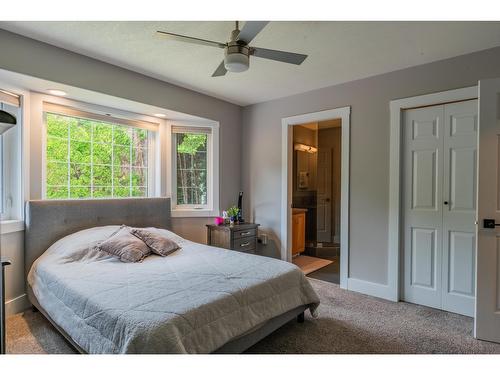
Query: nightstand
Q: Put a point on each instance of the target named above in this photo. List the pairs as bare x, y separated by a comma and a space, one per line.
240, 237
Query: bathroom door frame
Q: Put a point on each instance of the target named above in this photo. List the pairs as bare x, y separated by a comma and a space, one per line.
344, 113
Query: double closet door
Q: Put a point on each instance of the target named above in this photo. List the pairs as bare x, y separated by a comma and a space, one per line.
440, 192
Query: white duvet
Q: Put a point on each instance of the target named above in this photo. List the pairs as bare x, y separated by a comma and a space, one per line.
192, 301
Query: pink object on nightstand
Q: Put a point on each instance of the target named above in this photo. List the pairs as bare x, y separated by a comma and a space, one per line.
219, 220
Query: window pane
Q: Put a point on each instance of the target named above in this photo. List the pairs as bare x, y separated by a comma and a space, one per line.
102, 192
102, 175
139, 177
81, 130
79, 174
121, 192
58, 126
121, 155
103, 132
80, 192
139, 138
191, 168
57, 149
79, 152
97, 160
139, 191
121, 135
57, 192
57, 174
139, 157
102, 153
121, 176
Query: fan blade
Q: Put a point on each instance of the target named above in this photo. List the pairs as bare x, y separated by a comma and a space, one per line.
250, 30
272, 54
190, 39
220, 71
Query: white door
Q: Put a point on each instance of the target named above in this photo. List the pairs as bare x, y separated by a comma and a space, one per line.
440, 206
487, 322
423, 209
324, 199
459, 214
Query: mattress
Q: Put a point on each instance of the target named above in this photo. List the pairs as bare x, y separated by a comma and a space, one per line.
192, 301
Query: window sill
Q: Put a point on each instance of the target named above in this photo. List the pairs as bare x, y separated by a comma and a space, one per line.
11, 226
179, 212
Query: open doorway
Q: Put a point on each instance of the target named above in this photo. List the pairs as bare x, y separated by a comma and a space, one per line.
317, 248
316, 198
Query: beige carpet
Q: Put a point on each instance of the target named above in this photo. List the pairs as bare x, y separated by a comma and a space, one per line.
348, 322
310, 264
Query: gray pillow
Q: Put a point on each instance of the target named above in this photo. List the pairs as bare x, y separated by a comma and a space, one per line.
125, 246
158, 243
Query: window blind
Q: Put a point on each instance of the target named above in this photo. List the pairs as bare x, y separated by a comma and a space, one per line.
10, 98
191, 129
70, 111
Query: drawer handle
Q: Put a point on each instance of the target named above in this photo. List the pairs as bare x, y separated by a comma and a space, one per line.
245, 244
244, 233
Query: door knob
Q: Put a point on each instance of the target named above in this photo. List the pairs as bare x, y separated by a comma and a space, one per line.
445, 203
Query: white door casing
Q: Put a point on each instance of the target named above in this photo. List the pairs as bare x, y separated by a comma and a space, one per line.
439, 206
286, 185
487, 322
324, 199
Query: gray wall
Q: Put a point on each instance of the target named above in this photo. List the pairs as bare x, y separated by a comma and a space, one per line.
369, 170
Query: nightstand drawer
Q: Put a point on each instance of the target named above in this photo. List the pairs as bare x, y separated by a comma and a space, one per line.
244, 233
244, 244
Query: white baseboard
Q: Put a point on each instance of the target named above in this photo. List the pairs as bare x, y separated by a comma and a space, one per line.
372, 289
17, 305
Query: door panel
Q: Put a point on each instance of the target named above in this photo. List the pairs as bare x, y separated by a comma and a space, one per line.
487, 322
462, 263
463, 179
422, 209
459, 215
423, 257
424, 180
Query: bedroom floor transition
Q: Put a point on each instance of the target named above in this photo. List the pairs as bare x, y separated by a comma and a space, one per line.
348, 322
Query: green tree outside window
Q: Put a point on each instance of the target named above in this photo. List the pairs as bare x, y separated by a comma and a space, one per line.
94, 159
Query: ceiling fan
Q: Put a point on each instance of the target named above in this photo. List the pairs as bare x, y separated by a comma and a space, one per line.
237, 51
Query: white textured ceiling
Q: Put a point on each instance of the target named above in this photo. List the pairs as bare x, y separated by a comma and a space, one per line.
338, 51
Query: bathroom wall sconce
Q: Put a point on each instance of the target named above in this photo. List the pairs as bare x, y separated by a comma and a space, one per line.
305, 148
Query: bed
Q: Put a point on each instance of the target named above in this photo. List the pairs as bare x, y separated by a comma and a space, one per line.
199, 299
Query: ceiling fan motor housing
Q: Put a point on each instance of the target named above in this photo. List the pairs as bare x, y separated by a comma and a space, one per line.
236, 57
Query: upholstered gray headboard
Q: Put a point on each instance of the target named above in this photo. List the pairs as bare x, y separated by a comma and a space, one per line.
49, 220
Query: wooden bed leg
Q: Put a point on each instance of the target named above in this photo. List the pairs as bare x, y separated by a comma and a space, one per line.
34, 309
300, 318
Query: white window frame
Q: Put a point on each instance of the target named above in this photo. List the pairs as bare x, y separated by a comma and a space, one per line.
211, 209
153, 139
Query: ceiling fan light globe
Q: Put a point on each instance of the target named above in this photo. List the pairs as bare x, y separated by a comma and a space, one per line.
236, 62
